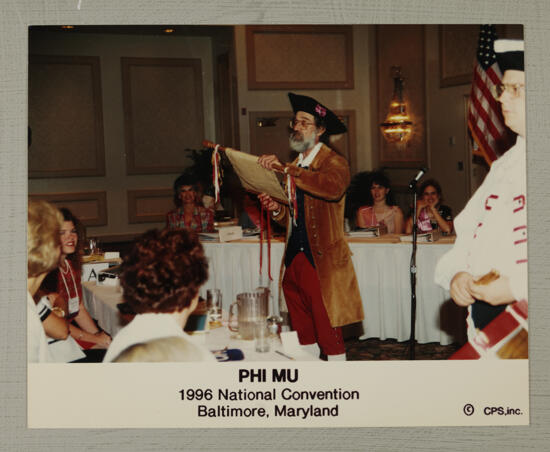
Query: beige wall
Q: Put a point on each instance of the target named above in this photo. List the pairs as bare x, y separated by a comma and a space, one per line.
446, 129
358, 98
109, 48
446, 132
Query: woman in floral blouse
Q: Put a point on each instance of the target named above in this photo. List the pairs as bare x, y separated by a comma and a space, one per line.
189, 214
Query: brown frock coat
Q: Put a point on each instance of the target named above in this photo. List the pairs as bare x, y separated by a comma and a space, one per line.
325, 184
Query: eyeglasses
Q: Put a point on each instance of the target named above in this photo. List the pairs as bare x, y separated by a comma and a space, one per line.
300, 122
511, 88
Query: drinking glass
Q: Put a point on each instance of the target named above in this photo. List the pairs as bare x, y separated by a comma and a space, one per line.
90, 246
214, 305
261, 336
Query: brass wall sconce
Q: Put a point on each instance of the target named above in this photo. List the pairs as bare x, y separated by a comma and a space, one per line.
397, 128
266, 122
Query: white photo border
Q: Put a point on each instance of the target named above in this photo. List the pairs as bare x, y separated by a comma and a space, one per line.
17, 16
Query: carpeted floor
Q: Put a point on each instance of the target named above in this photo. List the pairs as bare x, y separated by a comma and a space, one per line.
376, 350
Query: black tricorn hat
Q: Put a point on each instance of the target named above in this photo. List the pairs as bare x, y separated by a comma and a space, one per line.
509, 54
309, 105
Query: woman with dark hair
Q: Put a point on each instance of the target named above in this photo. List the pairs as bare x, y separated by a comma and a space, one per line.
189, 214
161, 277
430, 213
380, 208
67, 297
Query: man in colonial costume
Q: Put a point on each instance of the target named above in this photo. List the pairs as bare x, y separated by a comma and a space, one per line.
319, 284
492, 228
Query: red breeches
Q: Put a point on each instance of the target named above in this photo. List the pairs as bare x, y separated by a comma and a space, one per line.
308, 315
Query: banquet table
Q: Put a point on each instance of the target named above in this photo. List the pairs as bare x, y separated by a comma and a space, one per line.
101, 302
382, 267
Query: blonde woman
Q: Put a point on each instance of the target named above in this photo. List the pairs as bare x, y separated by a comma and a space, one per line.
43, 251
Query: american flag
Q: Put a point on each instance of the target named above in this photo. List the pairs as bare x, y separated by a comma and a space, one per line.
484, 115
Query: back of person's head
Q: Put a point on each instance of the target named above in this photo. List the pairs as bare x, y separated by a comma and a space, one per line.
43, 243
163, 350
164, 271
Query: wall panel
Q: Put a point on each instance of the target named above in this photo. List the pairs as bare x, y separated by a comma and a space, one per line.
66, 117
89, 207
145, 206
163, 112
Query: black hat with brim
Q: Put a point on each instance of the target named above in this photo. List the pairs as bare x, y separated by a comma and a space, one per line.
309, 105
509, 54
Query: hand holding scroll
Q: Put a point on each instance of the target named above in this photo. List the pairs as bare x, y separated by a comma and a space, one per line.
268, 203
270, 162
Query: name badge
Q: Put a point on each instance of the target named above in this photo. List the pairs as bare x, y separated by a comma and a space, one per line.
74, 304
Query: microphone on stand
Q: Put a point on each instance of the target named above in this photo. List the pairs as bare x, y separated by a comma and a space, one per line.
412, 269
421, 173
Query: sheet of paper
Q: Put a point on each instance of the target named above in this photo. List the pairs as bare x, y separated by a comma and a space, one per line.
254, 177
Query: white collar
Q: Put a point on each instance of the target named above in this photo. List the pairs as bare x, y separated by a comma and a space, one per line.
166, 319
307, 161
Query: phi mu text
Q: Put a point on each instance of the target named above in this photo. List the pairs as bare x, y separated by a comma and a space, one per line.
261, 375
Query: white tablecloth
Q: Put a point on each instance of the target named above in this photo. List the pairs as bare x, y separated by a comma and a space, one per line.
101, 302
383, 274
384, 282
382, 271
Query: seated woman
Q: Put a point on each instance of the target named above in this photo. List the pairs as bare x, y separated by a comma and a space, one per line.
43, 250
381, 208
189, 213
431, 214
161, 277
67, 287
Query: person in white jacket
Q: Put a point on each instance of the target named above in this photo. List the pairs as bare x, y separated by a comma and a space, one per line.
492, 229
161, 277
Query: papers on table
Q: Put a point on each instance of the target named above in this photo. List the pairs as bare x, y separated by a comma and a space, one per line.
224, 234
251, 232
427, 237
374, 231
363, 234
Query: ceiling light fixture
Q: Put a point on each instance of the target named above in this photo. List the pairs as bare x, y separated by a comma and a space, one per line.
397, 128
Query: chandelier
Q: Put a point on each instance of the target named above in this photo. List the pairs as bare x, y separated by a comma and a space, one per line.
397, 127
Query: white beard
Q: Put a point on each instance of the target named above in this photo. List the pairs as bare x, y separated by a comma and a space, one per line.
299, 143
